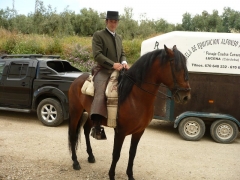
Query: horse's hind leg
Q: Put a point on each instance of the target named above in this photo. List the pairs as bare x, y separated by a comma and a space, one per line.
133, 149
73, 132
87, 128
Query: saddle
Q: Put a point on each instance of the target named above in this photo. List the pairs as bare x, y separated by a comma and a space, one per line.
111, 93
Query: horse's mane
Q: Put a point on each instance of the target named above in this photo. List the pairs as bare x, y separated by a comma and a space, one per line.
138, 71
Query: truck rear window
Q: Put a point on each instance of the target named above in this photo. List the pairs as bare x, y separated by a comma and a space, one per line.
61, 66
56, 65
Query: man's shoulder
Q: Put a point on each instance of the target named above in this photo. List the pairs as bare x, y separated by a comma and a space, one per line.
100, 32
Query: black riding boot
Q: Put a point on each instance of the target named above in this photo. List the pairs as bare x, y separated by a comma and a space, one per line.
97, 131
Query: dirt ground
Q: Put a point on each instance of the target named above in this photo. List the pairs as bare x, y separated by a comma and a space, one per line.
29, 150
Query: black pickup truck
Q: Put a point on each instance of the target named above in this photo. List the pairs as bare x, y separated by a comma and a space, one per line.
36, 83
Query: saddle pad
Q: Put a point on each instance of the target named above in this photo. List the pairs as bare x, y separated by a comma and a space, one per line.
112, 87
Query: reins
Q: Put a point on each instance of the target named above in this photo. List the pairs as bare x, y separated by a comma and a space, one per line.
131, 79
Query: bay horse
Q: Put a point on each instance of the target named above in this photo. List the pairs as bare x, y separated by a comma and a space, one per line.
137, 91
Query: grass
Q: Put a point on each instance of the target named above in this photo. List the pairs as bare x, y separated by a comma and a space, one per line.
73, 48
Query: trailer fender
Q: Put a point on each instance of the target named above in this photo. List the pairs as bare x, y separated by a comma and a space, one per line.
204, 115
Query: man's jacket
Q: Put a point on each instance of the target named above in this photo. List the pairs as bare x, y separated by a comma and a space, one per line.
107, 49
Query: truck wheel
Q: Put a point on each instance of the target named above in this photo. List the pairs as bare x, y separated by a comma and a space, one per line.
224, 131
191, 128
49, 112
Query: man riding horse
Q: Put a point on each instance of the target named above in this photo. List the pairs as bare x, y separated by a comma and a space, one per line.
108, 53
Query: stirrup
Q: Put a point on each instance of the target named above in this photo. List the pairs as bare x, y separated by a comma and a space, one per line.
98, 133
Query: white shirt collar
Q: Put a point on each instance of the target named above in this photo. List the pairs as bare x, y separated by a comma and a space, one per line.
113, 33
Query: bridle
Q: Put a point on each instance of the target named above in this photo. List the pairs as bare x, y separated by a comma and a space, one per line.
175, 89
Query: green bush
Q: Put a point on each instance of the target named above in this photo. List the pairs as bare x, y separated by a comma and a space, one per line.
73, 48
54, 47
27, 47
132, 49
80, 58
8, 46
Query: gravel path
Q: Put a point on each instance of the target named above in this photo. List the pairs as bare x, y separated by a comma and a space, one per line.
29, 150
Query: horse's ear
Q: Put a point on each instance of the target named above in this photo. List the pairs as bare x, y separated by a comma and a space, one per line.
174, 47
168, 51
166, 48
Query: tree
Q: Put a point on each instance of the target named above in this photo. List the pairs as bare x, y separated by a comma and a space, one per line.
45, 20
38, 18
127, 26
51, 22
146, 28
66, 26
179, 27
162, 26
230, 19
7, 19
187, 22
24, 24
87, 22
214, 22
4, 23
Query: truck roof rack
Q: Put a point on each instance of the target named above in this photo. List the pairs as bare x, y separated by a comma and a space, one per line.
30, 56
51, 56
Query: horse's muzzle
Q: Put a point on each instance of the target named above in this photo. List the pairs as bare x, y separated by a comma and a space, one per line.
182, 96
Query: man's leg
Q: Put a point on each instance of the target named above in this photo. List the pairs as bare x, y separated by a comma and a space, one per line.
99, 104
97, 131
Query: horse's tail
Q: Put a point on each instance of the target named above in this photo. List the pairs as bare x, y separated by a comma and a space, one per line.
77, 116
81, 123
73, 137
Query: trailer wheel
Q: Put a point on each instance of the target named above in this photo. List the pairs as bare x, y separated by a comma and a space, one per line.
49, 112
191, 128
224, 131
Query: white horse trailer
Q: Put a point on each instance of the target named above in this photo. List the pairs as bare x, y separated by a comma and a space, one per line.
213, 61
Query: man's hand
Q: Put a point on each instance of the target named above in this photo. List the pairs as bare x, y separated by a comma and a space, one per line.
125, 66
117, 66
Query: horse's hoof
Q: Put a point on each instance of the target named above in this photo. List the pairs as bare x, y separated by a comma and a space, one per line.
76, 166
91, 159
131, 178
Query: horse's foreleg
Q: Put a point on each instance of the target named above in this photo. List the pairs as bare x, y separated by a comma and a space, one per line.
87, 129
118, 142
132, 152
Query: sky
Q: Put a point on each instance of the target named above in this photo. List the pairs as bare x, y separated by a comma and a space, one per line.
171, 10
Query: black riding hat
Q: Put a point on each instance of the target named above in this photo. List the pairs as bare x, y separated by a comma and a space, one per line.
112, 15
